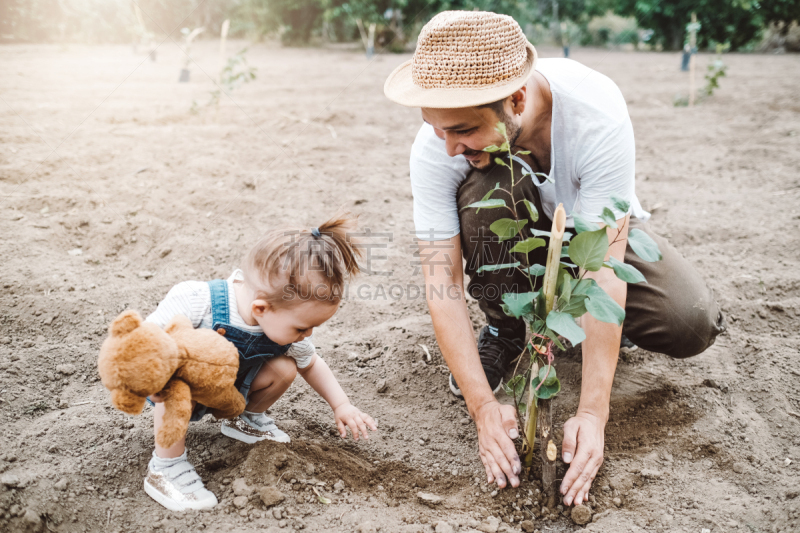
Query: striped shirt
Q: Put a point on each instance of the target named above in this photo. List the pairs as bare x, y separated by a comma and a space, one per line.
193, 299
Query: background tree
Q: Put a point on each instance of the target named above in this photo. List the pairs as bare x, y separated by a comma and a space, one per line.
737, 22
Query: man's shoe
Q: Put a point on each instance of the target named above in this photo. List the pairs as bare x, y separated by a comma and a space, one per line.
174, 484
626, 346
497, 349
253, 427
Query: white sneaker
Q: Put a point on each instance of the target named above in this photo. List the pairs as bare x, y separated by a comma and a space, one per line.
174, 484
253, 427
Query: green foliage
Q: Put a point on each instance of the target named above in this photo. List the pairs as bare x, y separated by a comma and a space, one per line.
507, 228
528, 245
602, 306
519, 304
235, 73
581, 224
574, 297
714, 72
492, 268
551, 385
588, 249
564, 324
643, 245
737, 22
624, 271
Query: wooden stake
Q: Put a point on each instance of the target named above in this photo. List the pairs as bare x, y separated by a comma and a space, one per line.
531, 411
692, 58
554, 256
541, 415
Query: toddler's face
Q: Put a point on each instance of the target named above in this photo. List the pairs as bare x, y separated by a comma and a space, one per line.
294, 323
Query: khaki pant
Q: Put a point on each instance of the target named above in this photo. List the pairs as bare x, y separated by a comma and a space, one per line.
674, 313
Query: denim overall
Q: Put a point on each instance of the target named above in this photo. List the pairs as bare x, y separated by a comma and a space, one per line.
254, 349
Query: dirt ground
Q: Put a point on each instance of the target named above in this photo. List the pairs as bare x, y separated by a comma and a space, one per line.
115, 187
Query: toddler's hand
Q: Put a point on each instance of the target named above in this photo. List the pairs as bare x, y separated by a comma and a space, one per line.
349, 416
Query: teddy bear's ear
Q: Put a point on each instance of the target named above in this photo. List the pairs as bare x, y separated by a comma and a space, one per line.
127, 402
126, 322
178, 322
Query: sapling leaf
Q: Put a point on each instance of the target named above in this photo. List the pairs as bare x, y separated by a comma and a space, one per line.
602, 306
491, 148
522, 409
507, 228
644, 246
581, 224
625, 272
565, 325
566, 237
547, 374
500, 162
532, 211
581, 286
492, 268
523, 152
620, 204
545, 176
501, 129
545, 392
515, 386
553, 336
540, 233
576, 306
541, 306
588, 249
535, 270
565, 263
504, 147
608, 217
488, 195
519, 304
528, 245
487, 204
564, 251
566, 288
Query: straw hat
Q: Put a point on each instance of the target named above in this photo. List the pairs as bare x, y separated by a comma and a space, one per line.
463, 59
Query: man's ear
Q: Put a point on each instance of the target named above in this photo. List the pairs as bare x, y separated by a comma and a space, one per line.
260, 307
518, 100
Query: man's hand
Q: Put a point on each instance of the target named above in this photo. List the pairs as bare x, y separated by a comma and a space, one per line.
583, 450
349, 416
497, 426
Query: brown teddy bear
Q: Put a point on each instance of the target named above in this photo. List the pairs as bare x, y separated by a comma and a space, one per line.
139, 359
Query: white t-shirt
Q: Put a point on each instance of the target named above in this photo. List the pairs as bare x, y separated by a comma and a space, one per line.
592, 156
193, 300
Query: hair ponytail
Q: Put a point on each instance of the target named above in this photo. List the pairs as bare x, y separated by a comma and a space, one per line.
290, 264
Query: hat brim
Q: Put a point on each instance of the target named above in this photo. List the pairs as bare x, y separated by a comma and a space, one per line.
400, 88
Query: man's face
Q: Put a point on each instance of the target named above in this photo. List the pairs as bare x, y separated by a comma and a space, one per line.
467, 131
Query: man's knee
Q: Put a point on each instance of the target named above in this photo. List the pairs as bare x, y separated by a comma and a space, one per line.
695, 332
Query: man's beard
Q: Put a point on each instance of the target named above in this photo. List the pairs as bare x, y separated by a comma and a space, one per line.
512, 131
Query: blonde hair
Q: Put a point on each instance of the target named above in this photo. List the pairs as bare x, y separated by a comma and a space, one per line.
291, 264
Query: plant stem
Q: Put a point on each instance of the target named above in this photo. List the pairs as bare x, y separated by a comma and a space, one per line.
544, 418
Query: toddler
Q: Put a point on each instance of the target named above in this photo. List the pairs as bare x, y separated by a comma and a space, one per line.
291, 282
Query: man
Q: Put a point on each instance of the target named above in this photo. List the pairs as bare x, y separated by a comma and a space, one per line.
470, 71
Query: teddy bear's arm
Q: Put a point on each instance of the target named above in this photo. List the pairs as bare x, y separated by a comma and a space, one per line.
228, 404
177, 412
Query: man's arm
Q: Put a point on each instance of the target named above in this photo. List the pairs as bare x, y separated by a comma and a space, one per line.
584, 434
496, 423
